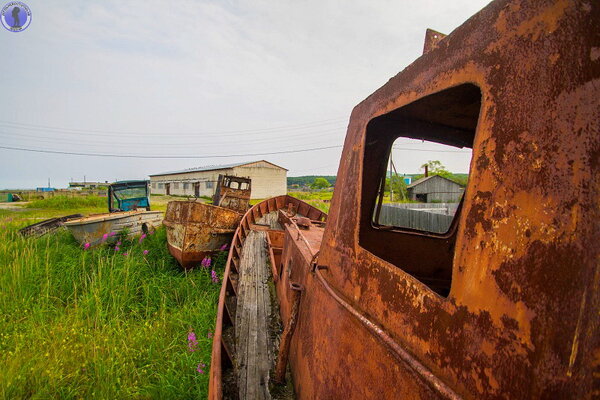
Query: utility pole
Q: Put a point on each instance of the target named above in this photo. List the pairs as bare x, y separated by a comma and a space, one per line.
391, 189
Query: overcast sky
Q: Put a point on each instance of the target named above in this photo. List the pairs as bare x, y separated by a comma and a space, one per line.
201, 79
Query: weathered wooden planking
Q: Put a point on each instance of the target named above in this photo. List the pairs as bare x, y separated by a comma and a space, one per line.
253, 343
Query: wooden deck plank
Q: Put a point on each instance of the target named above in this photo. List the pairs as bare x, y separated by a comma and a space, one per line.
262, 352
252, 315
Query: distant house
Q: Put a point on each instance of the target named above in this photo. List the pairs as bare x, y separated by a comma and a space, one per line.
87, 185
268, 179
435, 188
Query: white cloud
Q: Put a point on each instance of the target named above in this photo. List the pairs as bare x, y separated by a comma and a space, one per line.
196, 66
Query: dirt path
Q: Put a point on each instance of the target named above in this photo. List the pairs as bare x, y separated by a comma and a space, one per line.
13, 206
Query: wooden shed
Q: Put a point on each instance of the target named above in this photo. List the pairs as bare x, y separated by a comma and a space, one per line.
435, 188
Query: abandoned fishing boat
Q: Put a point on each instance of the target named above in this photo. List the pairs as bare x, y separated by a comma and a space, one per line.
44, 227
129, 210
196, 229
91, 229
502, 305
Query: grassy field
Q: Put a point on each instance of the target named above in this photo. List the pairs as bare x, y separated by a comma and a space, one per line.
101, 323
320, 200
67, 203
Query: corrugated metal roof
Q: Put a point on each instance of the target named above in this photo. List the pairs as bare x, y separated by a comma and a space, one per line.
213, 168
424, 179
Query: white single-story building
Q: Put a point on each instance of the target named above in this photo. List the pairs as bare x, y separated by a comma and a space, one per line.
268, 179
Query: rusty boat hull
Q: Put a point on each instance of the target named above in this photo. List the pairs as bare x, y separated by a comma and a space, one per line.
196, 230
91, 229
505, 304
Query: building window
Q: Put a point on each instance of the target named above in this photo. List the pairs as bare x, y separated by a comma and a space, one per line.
175, 185
209, 184
186, 186
153, 185
161, 185
445, 122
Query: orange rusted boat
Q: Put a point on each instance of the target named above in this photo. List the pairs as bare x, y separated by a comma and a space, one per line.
196, 230
505, 304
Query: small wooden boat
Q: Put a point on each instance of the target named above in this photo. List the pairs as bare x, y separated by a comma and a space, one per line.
245, 341
196, 230
91, 229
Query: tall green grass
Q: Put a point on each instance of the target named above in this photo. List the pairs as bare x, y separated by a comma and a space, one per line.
100, 324
67, 202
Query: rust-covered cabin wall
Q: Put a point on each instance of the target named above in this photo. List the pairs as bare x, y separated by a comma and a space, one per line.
520, 319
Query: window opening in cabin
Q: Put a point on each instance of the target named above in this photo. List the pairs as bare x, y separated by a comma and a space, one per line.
422, 186
408, 219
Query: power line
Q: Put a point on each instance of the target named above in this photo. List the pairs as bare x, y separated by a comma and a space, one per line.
169, 157
187, 144
432, 151
303, 126
198, 157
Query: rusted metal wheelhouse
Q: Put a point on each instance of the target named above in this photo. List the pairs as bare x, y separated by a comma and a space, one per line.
233, 192
506, 303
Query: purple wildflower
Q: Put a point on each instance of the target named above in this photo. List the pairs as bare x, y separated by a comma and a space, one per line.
142, 237
206, 261
104, 237
209, 335
86, 246
112, 234
224, 247
119, 243
199, 368
125, 254
145, 252
117, 248
214, 276
192, 341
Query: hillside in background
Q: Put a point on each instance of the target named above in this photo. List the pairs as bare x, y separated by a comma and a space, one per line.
308, 179
303, 181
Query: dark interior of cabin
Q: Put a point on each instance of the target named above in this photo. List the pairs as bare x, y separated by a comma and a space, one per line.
447, 117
